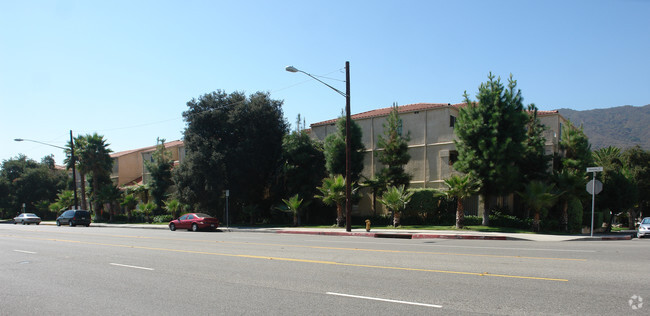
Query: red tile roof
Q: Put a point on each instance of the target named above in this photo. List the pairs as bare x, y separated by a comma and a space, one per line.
409, 108
174, 143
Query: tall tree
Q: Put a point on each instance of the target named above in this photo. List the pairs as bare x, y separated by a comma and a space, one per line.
304, 164
534, 164
96, 159
160, 170
333, 193
79, 144
637, 161
233, 142
23, 180
335, 150
539, 197
395, 151
571, 186
459, 188
619, 191
491, 133
575, 149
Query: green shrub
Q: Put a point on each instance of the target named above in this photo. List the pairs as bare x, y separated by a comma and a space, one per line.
575, 215
428, 206
473, 220
163, 218
499, 219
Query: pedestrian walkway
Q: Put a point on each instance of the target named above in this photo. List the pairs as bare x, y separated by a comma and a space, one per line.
391, 233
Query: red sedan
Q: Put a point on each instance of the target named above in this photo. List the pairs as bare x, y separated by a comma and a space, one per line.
194, 222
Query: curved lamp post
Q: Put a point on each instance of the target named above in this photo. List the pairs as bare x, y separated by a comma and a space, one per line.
74, 173
348, 146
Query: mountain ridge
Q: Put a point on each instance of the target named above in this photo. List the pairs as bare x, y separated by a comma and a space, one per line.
622, 126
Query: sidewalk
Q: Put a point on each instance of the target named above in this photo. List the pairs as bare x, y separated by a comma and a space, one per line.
392, 233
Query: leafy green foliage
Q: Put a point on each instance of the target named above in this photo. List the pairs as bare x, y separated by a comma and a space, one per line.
234, 143
491, 134
538, 196
335, 150
292, 205
173, 207
534, 164
459, 188
94, 157
396, 199
620, 192
23, 180
160, 170
333, 193
304, 164
395, 151
575, 146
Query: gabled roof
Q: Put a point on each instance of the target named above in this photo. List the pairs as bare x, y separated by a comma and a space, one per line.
175, 143
409, 108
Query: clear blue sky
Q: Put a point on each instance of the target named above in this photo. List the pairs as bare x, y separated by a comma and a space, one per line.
125, 69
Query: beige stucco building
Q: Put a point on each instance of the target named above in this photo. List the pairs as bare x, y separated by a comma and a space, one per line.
431, 144
129, 168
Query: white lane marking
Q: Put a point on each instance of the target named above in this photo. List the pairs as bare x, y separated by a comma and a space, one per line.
451, 246
383, 300
24, 251
128, 266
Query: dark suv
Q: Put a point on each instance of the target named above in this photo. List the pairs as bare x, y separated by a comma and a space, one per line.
73, 218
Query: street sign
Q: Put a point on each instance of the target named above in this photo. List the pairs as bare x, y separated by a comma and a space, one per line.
598, 188
595, 169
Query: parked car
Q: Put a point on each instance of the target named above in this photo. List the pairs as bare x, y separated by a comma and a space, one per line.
194, 222
644, 228
27, 218
74, 218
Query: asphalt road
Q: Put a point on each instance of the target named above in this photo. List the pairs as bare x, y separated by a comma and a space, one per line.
110, 271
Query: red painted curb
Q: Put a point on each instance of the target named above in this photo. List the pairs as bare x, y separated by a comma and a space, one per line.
326, 233
424, 236
393, 235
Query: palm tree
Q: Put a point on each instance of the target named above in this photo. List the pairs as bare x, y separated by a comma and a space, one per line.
377, 186
292, 205
460, 187
570, 185
146, 209
80, 143
95, 156
333, 193
538, 196
129, 203
396, 199
172, 206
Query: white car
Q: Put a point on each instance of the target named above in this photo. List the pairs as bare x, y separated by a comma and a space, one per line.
27, 218
644, 228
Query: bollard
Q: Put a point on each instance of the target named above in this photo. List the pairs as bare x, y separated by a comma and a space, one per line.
367, 225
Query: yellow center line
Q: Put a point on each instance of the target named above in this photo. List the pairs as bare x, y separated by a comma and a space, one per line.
296, 260
342, 248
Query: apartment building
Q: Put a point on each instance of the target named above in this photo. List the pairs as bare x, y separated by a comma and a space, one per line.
431, 144
129, 167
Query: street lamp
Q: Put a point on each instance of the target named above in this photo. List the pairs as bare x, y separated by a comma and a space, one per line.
72, 157
348, 144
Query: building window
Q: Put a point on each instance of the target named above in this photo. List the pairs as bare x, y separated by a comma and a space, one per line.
453, 156
452, 121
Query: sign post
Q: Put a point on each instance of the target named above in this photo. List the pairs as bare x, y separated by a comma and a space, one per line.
592, 185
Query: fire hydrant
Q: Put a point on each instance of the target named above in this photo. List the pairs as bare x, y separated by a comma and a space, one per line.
367, 225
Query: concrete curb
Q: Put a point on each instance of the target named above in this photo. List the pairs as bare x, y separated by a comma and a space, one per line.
387, 233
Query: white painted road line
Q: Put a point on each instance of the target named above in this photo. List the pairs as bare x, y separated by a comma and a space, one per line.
383, 300
128, 266
25, 251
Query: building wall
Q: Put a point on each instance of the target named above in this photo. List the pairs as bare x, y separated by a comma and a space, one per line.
129, 167
431, 147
